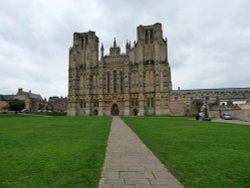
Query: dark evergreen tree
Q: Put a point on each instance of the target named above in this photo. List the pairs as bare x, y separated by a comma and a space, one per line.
16, 105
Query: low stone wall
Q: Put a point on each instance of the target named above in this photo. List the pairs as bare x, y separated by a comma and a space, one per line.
214, 114
243, 115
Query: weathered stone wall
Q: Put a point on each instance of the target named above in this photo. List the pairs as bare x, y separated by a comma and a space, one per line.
135, 83
243, 115
192, 100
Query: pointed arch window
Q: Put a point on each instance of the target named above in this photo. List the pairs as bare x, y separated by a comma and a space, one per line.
108, 82
115, 81
121, 81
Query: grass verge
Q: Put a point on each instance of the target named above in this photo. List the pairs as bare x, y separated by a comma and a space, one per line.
198, 153
52, 151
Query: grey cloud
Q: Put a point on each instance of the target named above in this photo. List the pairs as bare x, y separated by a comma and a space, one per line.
209, 41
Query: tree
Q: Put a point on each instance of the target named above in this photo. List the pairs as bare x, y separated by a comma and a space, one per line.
16, 105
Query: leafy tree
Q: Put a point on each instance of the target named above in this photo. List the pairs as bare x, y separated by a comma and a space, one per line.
16, 105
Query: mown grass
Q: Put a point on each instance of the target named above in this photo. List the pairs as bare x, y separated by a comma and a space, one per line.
52, 151
198, 153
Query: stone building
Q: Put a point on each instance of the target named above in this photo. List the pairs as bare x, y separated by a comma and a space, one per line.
34, 102
30, 99
57, 104
137, 82
3, 103
189, 102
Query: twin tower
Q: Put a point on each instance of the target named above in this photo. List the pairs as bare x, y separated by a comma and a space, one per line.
137, 82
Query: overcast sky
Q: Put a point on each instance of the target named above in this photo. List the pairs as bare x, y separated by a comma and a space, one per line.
209, 41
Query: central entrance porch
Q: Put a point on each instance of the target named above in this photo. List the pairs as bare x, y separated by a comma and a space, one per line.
115, 110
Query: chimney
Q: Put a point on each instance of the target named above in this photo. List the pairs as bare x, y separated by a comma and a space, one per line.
20, 90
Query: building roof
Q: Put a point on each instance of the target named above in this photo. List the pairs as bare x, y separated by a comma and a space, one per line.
21, 95
232, 97
2, 98
218, 90
6, 97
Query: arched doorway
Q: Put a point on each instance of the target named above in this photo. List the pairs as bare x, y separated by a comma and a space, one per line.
114, 110
95, 112
135, 112
196, 106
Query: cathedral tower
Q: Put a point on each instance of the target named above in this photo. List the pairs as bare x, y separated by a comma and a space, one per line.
83, 56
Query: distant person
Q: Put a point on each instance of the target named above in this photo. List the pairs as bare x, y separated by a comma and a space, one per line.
197, 116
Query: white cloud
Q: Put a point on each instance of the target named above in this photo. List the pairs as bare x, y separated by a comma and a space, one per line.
209, 41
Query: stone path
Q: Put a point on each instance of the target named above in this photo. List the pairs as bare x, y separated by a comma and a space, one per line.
130, 164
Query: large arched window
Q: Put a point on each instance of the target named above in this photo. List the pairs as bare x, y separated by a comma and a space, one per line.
121, 81
108, 82
82, 104
81, 84
115, 81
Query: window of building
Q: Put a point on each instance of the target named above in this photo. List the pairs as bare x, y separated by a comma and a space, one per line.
108, 82
146, 36
115, 81
151, 35
82, 43
121, 82
132, 102
136, 102
148, 102
82, 104
95, 103
81, 84
152, 102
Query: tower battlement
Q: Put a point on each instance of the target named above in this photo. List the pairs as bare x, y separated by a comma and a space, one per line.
85, 40
150, 34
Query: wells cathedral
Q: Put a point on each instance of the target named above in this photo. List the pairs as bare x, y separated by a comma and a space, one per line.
137, 82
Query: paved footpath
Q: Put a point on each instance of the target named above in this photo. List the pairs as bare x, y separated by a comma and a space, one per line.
130, 164
231, 121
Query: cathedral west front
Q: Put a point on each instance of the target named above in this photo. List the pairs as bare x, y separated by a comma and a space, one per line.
137, 82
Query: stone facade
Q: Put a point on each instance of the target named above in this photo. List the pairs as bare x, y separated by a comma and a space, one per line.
3, 103
189, 102
30, 99
34, 102
57, 104
137, 82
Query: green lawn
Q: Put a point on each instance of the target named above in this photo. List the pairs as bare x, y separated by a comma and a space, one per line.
52, 151
200, 154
